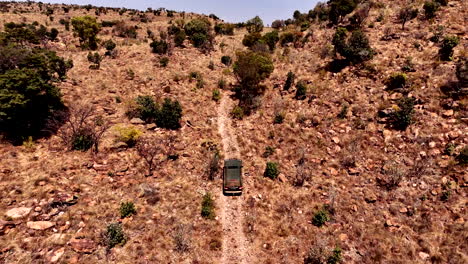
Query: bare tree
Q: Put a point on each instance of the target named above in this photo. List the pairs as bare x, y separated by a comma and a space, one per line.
82, 129
406, 14
148, 148
213, 166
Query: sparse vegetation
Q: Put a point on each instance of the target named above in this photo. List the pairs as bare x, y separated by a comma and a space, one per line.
402, 116
128, 135
447, 46
320, 217
430, 9
114, 236
396, 80
159, 47
301, 90
127, 209
207, 210
86, 28
289, 81
271, 170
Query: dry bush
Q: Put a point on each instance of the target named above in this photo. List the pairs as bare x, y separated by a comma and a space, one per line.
181, 238
150, 147
393, 175
82, 130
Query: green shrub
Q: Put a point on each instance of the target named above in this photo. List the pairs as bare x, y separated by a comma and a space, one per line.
254, 25
127, 209
301, 90
159, 47
269, 150
340, 8
270, 39
207, 209
396, 80
289, 81
87, 29
402, 117
107, 23
286, 37
224, 29
344, 111
462, 158
128, 135
114, 236
144, 108
53, 34
271, 170
251, 39
238, 112
446, 49
179, 38
335, 257
82, 140
430, 9
320, 218
279, 118
222, 83
164, 61
169, 115
96, 59
198, 31
226, 60
356, 49
216, 96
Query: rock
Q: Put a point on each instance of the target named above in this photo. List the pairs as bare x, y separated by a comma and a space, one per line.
151, 126
387, 135
17, 213
423, 255
136, 121
54, 256
5, 225
333, 171
370, 197
432, 144
119, 145
83, 245
64, 199
282, 178
453, 134
336, 140
343, 237
40, 225
448, 113
403, 210
145, 190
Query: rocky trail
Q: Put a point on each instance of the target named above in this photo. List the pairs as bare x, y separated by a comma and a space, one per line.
234, 249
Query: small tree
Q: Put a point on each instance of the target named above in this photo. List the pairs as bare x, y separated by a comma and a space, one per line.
87, 29
207, 209
82, 130
254, 25
430, 9
402, 117
127, 209
277, 24
289, 81
340, 8
169, 114
446, 49
270, 39
356, 49
114, 235
406, 14
396, 80
159, 47
462, 72
96, 59
271, 170
149, 148
199, 32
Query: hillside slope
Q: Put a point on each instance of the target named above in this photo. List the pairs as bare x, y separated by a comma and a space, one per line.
389, 196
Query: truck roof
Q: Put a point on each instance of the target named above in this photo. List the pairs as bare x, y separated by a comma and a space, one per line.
232, 163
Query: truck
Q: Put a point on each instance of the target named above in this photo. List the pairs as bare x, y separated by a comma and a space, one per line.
232, 177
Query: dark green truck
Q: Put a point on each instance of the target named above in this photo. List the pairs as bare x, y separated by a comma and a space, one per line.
232, 177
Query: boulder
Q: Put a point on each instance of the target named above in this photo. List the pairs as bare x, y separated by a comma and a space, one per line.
17, 213
40, 225
137, 121
83, 245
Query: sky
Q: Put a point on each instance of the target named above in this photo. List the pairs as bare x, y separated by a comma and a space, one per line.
230, 11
